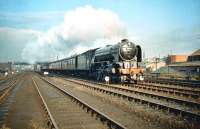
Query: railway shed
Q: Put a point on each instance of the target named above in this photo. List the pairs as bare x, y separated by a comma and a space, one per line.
195, 56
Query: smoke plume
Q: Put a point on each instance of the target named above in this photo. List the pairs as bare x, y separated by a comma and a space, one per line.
83, 28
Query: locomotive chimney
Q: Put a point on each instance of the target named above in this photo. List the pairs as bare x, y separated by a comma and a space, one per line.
124, 40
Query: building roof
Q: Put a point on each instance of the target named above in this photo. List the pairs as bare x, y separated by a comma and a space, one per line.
21, 63
197, 52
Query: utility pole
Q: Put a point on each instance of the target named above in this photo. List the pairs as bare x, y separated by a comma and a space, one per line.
143, 55
157, 59
198, 71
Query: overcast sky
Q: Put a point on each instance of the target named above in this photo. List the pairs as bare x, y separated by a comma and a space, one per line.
42, 30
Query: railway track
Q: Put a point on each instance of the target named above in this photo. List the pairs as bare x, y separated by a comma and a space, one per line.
7, 92
153, 95
179, 91
7, 87
185, 83
188, 92
50, 120
2, 78
191, 115
6, 79
23, 108
73, 100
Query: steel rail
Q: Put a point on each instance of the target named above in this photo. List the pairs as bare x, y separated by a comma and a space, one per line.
9, 83
104, 118
188, 114
6, 90
51, 121
166, 89
174, 82
179, 101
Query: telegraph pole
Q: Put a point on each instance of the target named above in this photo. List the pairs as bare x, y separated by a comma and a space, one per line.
198, 71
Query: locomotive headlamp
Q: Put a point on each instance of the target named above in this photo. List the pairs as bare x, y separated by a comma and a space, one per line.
113, 70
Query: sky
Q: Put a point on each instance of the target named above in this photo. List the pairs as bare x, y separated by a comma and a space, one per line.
44, 30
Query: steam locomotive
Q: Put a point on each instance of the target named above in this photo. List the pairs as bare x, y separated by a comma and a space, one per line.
120, 62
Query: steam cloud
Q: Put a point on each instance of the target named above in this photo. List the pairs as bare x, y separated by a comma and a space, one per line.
82, 29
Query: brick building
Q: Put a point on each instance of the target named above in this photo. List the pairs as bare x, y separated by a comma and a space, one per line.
171, 59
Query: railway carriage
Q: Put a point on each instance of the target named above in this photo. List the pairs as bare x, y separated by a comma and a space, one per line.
69, 63
84, 62
56, 65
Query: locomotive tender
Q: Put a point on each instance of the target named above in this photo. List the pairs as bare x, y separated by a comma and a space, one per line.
120, 62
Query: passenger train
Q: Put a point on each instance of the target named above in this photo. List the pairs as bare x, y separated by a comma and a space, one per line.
120, 62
